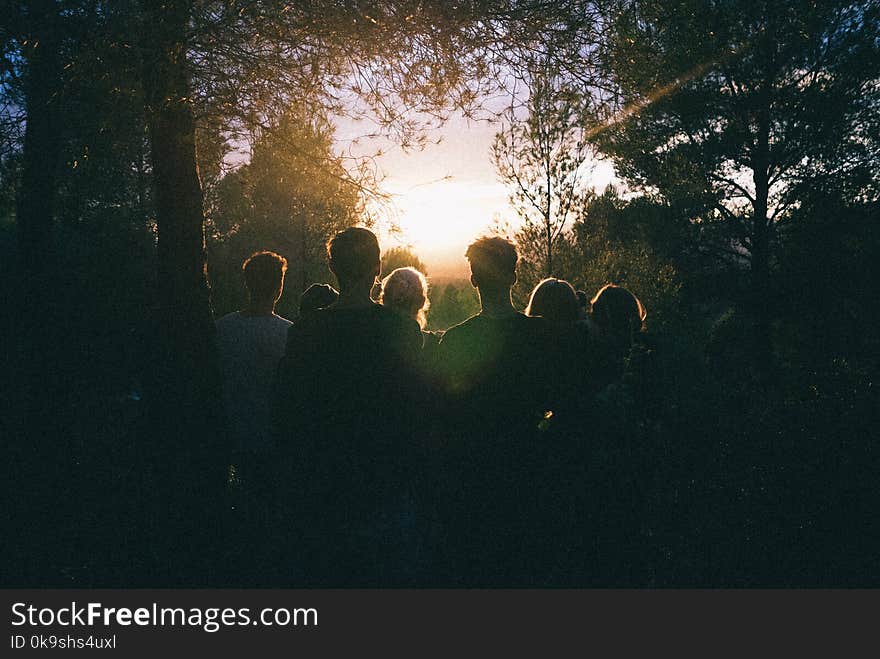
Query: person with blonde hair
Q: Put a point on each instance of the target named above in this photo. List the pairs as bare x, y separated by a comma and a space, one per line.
405, 290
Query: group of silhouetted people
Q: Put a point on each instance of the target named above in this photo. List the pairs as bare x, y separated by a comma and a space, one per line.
372, 451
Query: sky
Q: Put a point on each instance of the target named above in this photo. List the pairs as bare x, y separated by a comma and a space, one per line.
447, 194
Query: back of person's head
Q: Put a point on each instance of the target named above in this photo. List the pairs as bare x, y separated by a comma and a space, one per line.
618, 312
264, 276
354, 256
493, 262
317, 296
405, 290
555, 300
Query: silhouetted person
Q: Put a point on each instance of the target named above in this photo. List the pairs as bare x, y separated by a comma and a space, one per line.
620, 461
571, 351
618, 317
250, 344
570, 355
554, 300
345, 415
490, 359
496, 392
618, 313
405, 290
317, 296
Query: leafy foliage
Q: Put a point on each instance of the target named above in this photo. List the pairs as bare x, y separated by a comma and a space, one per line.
401, 257
292, 197
733, 110
543, 158
612, 244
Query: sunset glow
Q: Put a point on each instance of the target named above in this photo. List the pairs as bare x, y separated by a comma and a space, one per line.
440, 219
447, 194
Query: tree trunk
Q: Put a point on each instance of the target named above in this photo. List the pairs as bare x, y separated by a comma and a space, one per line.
33, 429
760, 294
182, 270
760, 242
36, 194
549, 232
182, 373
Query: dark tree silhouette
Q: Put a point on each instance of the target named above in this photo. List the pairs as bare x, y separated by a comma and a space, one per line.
543, 157
292, 197
735, 109
401, 257
38, 27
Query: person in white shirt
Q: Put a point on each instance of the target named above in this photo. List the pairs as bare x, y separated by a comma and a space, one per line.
250, 343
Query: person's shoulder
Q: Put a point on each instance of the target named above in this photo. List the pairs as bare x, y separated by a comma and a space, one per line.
373, 318
464, 336
519, 318
400, 326
384, 313
381, 314
229, 325
452, 333
463, 328
307, 324
280, 327
528, 327
228, 319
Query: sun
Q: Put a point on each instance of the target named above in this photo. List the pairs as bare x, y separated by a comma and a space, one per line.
439, 220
